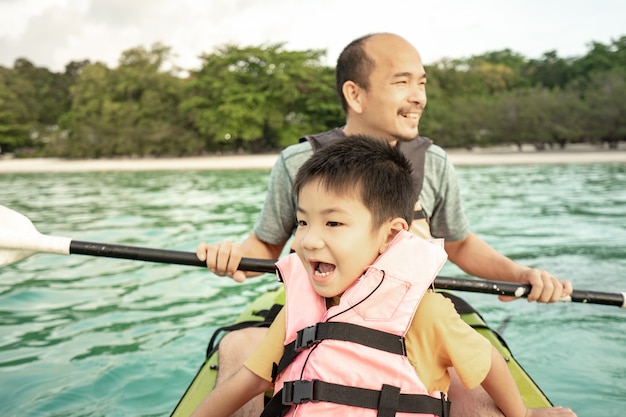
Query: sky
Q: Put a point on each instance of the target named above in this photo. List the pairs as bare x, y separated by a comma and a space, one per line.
52, 33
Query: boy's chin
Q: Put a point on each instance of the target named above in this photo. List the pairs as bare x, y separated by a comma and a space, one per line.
324, 291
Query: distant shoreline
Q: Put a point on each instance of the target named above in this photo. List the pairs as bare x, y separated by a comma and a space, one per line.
266, 161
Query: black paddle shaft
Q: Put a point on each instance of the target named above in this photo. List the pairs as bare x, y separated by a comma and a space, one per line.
522, 290
138, 253
268, 266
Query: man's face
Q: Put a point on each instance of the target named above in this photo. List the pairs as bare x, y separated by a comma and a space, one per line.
396, 96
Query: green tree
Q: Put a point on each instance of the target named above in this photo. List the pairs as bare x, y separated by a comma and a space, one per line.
480, 74
519, 120
453, 78
604, 119
550, 71
261, 97
51, 90
130, 110
17, 116
564, 112
502, 70
601, 58
537, 116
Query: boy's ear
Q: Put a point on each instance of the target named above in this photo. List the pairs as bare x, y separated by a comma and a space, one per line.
395, 226
353, 95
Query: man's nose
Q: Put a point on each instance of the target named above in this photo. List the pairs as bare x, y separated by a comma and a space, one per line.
418, 94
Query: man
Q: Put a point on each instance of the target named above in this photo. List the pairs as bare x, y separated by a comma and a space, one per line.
381, 82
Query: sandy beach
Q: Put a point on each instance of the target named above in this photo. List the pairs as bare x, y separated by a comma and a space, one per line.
266, 161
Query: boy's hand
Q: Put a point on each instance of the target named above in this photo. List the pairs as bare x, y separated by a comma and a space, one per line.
222, 258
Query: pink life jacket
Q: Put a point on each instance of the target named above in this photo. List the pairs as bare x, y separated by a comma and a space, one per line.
351, 357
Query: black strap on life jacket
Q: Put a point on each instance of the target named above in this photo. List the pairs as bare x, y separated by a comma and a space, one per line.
414, 150
388, 401
348, 332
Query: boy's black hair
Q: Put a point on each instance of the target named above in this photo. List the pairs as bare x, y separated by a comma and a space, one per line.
369, 168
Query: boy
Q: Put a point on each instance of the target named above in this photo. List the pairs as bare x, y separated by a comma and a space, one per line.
361, 333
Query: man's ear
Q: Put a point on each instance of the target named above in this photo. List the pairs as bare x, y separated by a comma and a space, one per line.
394, 227
353, 95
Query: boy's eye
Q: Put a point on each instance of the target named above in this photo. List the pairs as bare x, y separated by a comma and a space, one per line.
301, 223
333, 224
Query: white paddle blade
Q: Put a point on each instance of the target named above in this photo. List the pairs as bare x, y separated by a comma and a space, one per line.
9, 256
19, 238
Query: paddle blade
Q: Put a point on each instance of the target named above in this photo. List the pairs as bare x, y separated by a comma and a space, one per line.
19, 238
8, 256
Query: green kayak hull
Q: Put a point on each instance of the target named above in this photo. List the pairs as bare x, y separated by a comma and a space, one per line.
204, 381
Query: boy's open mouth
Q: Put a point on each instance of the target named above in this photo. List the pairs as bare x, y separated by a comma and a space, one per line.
322, 269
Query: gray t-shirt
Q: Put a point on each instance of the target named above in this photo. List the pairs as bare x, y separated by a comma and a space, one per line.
439, 197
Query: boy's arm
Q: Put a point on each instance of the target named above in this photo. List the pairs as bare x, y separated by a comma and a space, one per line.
232, 394
501, 386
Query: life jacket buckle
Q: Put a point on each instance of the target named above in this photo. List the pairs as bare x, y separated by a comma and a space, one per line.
298, 392
306, 338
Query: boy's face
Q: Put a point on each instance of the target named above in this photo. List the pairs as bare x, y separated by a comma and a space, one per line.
334, 238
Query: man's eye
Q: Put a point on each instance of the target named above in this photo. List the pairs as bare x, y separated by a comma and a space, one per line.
333, 224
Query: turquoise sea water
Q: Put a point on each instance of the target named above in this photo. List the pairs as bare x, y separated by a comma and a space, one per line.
87, 336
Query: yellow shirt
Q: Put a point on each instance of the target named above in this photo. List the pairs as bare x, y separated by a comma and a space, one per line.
437, 339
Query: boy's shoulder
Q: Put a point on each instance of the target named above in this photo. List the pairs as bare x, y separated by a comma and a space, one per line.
433, 304
434, 299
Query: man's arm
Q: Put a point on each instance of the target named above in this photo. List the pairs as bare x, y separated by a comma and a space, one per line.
223, 258
476, 257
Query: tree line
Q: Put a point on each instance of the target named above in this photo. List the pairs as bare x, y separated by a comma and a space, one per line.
263, 98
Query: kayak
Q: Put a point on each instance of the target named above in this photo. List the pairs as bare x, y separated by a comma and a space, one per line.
261, 311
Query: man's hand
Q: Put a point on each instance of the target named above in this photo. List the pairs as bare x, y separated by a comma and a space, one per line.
546, 288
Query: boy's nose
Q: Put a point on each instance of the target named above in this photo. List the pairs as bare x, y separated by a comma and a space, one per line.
312, 240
